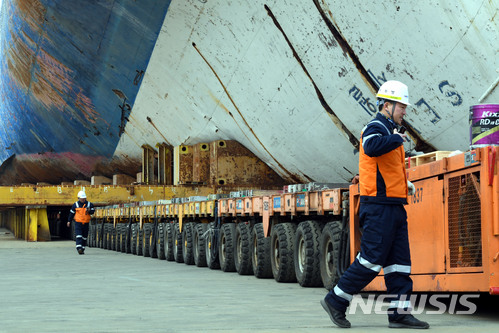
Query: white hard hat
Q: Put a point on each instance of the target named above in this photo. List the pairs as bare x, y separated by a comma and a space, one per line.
82, 194
394, 91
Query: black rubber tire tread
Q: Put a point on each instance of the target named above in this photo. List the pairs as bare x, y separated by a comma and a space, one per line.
160, 241
140, 239
152, 241
146, 240
210, 243
133, 242
242, 251
307, 254
260, 253
188, 243
124, 229
89, 238
103, 241
113, 237
199, 244
96, 240
227, 247
118, 237
329, 251
282, 238
109, 237
96, 228
177, 244
106, 240
128, 239
169, 238
99, 235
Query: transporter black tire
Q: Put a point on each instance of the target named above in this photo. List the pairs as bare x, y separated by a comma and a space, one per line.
282, 239
109, 236
211, 250
98, 235
94, 235
128, 239
160, 241
188, 243
199, 245
96, 239
123, 238
90, 238
227, 247
122, 247
133, 243
105, 240
118, 237
113, 238
169, 238
307, 254
140, 239
329, 251
147, 239
260, 253
177, 245
242, 257
153, 253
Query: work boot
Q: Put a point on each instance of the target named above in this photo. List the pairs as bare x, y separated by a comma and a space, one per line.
407, 321
338, 317
80, 251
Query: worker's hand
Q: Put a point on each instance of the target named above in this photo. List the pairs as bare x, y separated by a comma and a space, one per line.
411, 188
403, 136
69, 224
87, 211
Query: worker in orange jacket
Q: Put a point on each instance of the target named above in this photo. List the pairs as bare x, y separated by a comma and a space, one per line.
81, 211
383, 194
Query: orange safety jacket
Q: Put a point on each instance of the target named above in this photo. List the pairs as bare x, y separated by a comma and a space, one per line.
79, 212
382, 174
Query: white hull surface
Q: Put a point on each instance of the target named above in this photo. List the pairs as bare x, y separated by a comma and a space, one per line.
294, 81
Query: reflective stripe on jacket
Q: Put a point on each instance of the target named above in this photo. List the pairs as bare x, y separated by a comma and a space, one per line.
382, 174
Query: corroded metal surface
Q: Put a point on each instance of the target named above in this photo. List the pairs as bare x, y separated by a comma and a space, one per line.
70, 71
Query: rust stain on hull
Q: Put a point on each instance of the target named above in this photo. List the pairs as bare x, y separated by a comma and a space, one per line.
291, 176
153, 125
421, 144
353, 140
347, 49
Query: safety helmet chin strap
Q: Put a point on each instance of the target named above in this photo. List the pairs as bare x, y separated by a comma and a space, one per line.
382, 102
393, 111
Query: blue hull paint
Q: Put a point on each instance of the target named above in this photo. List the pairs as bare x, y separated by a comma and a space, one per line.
70, 71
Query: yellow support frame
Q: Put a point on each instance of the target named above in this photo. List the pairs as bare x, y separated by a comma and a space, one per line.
97, 194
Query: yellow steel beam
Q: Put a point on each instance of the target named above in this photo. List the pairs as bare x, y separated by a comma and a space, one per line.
97, 194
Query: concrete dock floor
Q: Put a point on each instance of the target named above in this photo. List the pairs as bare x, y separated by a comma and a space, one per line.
48, 287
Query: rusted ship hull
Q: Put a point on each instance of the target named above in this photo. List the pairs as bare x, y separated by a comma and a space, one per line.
70, 72
293, 81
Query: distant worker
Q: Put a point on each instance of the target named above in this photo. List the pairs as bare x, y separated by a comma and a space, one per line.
81, 211
383, 194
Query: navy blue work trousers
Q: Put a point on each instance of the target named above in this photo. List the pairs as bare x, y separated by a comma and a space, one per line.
81, 234
384, 244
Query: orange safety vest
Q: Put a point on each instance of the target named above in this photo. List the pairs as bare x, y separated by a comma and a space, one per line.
81, 214
383, 179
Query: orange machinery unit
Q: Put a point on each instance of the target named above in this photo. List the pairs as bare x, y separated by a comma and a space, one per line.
453, 222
